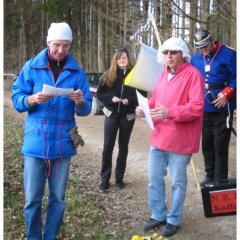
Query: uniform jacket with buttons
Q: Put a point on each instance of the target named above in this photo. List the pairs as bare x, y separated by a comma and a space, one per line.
222, 71
47, 125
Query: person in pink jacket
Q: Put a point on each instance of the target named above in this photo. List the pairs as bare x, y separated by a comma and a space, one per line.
176, 107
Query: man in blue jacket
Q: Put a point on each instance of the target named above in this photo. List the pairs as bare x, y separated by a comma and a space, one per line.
217, 63
50, 136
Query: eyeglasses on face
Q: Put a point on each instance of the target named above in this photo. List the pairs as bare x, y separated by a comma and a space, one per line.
172, 52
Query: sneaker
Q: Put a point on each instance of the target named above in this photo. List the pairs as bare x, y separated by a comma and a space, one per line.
151, 224
119, 185
206, 180
169, 230
103, 186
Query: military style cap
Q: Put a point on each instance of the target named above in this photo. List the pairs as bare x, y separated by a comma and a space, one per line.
202, 38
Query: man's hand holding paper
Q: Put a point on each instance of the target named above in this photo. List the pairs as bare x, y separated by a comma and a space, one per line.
143, 109
77, 96
39, 98
159, 112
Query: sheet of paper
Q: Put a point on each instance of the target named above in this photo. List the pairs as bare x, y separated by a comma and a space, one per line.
143, 104
56, 91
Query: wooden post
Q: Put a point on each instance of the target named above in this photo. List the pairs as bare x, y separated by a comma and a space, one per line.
156, 30
195, 175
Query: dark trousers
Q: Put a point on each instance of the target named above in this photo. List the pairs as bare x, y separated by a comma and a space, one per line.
215, 144
111, 127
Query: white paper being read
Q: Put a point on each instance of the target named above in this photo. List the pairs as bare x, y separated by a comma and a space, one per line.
56, 91
143, 104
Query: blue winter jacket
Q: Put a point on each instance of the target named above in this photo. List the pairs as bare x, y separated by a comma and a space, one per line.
47, 125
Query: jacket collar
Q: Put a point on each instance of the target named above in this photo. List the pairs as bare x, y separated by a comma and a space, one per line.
40, 60
216, 48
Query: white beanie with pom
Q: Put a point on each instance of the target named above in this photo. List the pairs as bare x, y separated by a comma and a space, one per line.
59, 31
176, 44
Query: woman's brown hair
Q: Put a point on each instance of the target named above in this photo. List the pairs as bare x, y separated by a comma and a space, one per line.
110, 75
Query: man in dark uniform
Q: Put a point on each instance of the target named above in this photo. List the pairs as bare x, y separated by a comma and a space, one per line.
217, 63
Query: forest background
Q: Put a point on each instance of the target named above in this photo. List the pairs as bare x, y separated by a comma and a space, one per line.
101, 26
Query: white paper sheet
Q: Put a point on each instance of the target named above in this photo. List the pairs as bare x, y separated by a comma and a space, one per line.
143, 104
56, 91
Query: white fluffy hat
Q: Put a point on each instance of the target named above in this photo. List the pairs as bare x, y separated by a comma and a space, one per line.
59, 31
174, 44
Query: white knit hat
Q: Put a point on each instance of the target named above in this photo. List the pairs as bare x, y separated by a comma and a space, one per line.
174, 44
59, 31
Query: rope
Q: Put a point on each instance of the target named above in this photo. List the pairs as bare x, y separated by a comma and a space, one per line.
146, 28
142, 28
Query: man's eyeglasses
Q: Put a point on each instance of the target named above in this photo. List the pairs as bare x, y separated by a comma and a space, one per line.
172, 52
65, 47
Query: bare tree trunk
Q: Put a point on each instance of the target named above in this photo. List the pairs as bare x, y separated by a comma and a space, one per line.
182, 32
101, 65
23, 40
157, 20
193, 26
205, 12
43, 33
167, 18
233, 36
145, 17
90, 50
108, 44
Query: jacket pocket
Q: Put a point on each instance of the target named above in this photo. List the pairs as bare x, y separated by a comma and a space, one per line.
32, 131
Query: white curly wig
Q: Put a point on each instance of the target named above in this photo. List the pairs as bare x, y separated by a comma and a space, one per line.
174, 44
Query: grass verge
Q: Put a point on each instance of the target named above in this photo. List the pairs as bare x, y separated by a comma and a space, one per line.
84, 218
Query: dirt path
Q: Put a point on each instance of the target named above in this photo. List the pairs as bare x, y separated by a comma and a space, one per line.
128, 208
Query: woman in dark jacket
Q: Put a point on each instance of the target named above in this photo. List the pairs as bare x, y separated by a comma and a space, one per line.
120, 102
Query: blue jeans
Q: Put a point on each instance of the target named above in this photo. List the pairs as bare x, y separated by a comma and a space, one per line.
158, 162
35, 175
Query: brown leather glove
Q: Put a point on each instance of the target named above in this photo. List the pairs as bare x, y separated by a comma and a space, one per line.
77, 139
